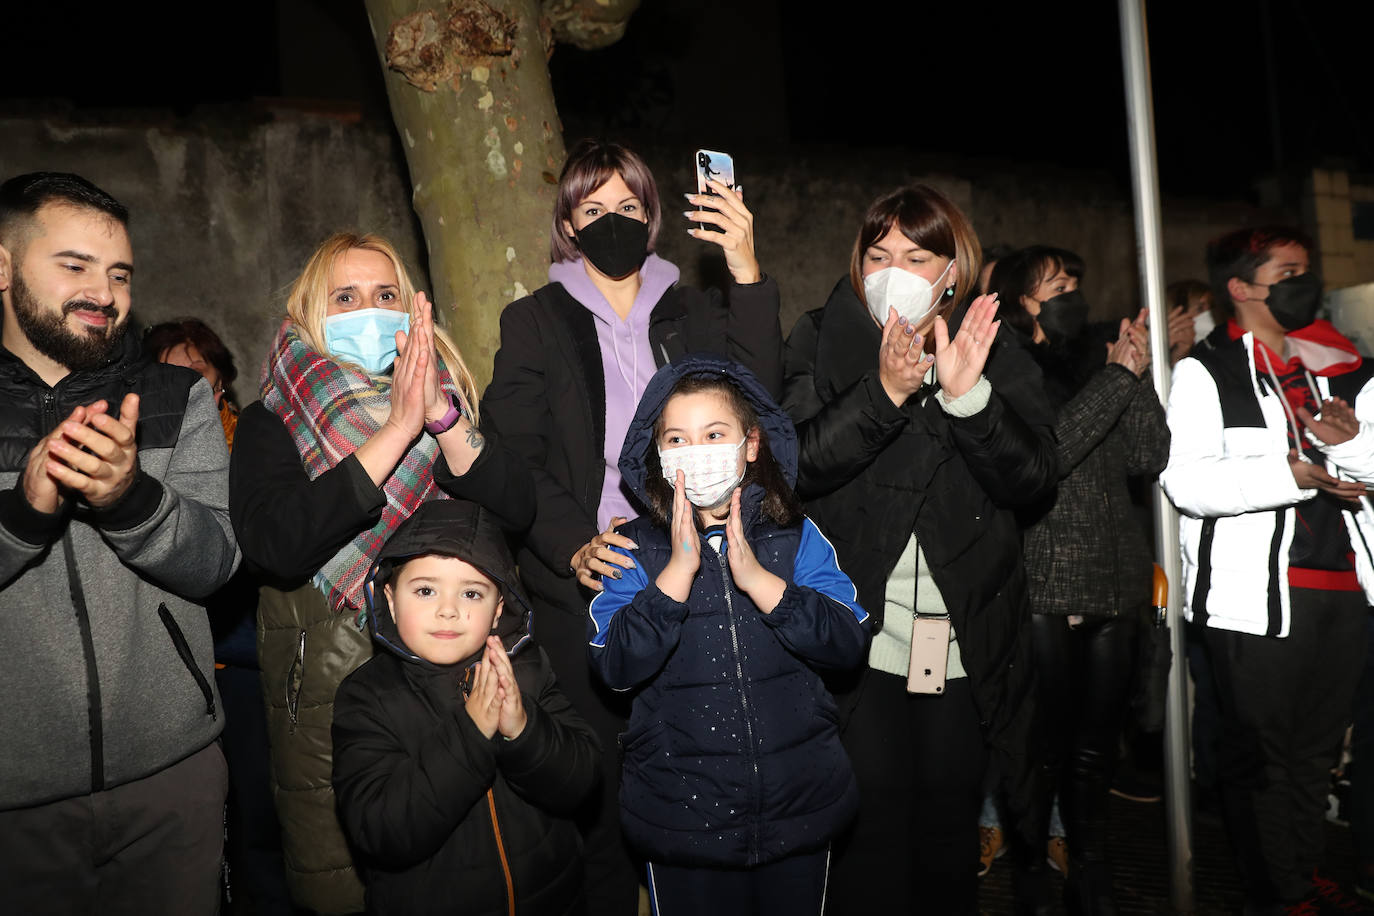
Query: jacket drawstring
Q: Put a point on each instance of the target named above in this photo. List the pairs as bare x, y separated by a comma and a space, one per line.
619, 366
1283, 400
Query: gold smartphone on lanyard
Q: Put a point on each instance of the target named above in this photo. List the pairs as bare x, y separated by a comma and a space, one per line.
929, 655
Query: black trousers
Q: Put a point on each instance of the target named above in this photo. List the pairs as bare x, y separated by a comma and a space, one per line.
1285, 704
920, 762
612, 876
1084, 676
794, 886
148, 847
253, 839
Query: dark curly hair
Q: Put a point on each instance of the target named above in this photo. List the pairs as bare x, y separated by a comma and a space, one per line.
780, 502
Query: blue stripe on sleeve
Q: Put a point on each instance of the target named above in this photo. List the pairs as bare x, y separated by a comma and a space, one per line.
817, 567
614, 595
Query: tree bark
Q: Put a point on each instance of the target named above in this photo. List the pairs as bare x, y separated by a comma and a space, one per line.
468, 82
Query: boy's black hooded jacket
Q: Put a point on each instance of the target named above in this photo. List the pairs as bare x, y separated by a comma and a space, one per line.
443, 819
733, 755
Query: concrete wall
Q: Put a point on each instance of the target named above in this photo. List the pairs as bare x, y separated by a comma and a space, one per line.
225, 213
226, 210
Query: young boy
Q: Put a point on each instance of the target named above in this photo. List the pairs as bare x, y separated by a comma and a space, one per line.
456, 757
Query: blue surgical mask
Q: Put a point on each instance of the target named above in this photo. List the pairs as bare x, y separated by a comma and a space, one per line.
366, 337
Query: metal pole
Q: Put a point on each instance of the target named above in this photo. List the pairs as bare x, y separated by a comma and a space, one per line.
1145, 186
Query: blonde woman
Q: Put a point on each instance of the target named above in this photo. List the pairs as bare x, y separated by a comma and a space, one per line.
367, 411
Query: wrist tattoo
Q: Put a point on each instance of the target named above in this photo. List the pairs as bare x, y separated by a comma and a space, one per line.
475, 439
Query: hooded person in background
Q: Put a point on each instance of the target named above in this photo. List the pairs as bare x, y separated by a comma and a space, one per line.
1272, 446
457, 704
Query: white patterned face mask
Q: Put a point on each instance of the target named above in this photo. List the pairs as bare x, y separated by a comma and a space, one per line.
712, 471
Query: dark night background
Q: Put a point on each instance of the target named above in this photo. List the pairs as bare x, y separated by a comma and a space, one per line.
1006, 82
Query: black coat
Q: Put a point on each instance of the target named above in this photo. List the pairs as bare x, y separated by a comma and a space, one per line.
547, 401
872, 473
442, 818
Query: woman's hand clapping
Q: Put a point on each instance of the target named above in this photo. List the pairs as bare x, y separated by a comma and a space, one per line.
422, 330
959, 362
728, 212
902, 361
414, 361
1132, 346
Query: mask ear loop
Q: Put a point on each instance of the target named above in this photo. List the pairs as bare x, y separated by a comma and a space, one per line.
949, 290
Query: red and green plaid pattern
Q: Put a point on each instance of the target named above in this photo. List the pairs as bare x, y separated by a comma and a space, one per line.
329, 410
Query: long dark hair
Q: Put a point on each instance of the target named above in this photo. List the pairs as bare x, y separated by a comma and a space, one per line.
1020, 273
780, 502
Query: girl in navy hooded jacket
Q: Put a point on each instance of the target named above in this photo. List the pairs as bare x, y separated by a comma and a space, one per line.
734, 777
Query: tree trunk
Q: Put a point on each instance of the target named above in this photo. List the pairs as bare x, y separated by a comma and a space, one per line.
469, 88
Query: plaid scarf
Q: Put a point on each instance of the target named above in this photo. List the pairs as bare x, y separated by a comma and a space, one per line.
330, 409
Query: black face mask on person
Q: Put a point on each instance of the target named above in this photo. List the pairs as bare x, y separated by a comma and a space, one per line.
1063, 317
1293, 302
616, 245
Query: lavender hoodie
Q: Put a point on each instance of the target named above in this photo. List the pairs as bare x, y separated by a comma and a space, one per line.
627, 363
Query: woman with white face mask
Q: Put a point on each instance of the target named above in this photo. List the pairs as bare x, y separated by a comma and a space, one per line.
367, 411
911, 459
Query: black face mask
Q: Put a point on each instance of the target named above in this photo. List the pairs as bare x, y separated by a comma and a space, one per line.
1063, 317
616, 245
1293, 302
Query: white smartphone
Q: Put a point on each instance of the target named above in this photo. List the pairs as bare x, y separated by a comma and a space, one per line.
929, 655
717, 167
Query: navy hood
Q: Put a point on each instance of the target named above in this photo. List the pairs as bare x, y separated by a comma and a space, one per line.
450, 528
639, 439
